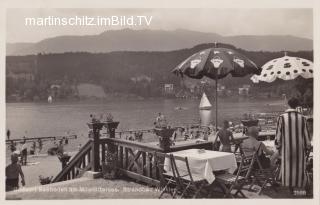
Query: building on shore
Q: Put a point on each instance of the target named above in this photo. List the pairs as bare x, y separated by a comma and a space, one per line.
244, 90
168, 88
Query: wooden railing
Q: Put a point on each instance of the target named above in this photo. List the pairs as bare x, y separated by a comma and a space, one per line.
80, 163
136, 160
132, 159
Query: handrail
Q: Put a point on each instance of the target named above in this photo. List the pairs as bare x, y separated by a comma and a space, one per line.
123, 142
74, 161
150, 147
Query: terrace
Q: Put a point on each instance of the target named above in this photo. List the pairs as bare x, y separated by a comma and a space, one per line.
129, 168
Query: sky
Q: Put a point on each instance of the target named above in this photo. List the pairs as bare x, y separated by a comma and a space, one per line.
227, 22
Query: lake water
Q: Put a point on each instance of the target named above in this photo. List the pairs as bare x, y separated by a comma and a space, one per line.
43, 119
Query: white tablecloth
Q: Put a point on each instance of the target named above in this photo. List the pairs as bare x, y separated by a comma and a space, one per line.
204, 164
271, 145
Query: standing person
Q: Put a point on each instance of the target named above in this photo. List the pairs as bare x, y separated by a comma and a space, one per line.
40, 145
191, 135
8, 134
174, 135
206, 134
13, 146
66, 141
24, 153
184, 134
225, 136
292, 141
33, 148
60, 149
161, 121
13, 171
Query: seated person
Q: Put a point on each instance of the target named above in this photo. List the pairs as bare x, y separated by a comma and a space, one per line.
251, 145
225, 137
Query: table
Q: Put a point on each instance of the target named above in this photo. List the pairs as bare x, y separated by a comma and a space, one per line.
270, 144
204, 164
263, 135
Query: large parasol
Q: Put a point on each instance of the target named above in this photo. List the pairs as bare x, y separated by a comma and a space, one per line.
285, 68
216, 63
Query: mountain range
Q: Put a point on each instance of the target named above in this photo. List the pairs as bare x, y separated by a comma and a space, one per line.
155, 40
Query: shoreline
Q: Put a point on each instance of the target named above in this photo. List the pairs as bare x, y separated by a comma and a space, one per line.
139, 98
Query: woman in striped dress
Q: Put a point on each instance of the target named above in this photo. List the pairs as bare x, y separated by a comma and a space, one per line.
292, 141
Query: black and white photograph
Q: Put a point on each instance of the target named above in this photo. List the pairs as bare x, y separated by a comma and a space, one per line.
159, 103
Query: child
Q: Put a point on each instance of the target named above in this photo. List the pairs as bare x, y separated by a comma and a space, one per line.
12, 174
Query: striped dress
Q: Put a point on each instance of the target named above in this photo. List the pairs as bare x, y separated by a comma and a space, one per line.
292, 139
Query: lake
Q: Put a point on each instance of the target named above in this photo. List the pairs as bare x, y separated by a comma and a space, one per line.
60, 118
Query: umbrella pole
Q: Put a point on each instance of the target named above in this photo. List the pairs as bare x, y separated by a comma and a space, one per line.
215, 45
216, 104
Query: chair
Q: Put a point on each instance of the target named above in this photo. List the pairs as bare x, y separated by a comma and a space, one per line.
237, 150
167, 181
309, 170
229, 182
188, 184
268, 175
262, 176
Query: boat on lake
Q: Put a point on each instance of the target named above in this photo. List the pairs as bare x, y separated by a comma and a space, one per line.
180, 108
50, 99
205, 103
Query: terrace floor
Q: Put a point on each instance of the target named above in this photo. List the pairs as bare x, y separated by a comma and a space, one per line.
86, 188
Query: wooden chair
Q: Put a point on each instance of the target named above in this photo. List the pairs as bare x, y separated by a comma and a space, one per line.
309, 170
309, 165
168, 183
229, 182
267, 175
262, 176
188, 184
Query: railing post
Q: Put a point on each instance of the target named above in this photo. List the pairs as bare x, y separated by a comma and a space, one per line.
109, 171
164, 135
95, 159
64, 159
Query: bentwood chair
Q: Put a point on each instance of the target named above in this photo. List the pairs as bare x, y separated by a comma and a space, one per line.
190, 185
229, 182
